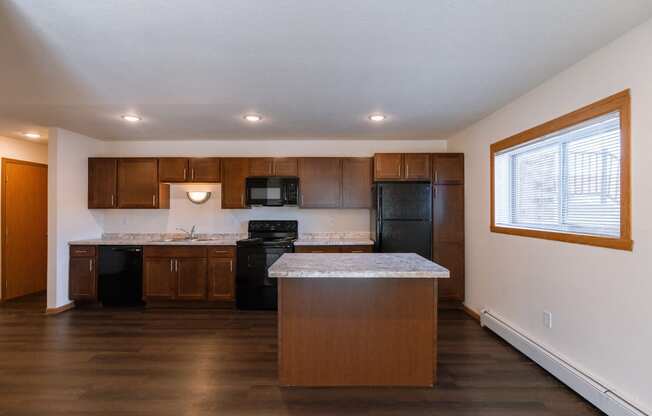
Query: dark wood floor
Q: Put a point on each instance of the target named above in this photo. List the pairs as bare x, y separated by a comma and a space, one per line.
207, 362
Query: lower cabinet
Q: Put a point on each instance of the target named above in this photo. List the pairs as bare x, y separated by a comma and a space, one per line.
188, 273
334, 249
82, 275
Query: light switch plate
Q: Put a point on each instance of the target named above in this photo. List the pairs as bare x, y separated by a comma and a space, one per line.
547, 319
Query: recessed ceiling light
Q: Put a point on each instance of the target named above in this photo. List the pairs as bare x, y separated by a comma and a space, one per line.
254, 118
131, 118
32, 135
377, 117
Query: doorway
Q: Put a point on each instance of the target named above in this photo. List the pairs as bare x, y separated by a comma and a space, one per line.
24, 228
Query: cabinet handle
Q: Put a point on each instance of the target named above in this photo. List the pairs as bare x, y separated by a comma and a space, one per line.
407, 170
301, 199
171, 267
90, 265
316, 251
242, 200
357, 251
112, 200
398, 171
435, 175
220, 251
193, 174
184, 174
154, 200
176, 265
231, 265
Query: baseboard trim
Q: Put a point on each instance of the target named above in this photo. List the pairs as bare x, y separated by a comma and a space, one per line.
60, 309
582, 383
473, 314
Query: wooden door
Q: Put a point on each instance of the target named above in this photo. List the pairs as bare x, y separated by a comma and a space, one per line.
416, 167
388, 166
286, 166
138, 183
102, 183
191, 278
221, 279
448, 238
82, 283
159, 278
234, 173
173, 169
24, 228
261, 166
320, 182
356, 182
448, 168
204, 169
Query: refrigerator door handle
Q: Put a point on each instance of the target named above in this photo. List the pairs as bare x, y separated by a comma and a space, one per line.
379, 217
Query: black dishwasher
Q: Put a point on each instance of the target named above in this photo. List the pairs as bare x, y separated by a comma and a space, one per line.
120, 275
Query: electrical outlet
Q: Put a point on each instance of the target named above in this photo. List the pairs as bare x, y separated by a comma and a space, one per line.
547, 319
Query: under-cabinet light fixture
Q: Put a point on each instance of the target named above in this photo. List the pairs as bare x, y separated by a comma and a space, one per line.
198, 197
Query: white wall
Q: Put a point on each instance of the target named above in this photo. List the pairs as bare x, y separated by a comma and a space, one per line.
211, 218
68, 216
600, 298
21, 150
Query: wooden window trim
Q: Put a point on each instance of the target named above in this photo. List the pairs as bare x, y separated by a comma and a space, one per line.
618, 102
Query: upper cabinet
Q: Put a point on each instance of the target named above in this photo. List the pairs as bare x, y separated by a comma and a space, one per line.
196, 169
402, 167
388, 166
102, 182
356, 182
234, 173
448, 168
267, 166
320, 180
138, 185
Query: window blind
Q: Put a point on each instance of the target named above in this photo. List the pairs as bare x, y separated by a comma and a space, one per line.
567, 181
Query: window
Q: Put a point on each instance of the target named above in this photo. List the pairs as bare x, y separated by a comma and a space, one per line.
567, 179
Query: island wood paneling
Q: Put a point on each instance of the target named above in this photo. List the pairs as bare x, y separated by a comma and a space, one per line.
357, 332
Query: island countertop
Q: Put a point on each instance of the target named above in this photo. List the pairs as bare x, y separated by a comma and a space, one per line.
356, 265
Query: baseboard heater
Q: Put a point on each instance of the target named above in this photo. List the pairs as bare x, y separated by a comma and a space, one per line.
601, 396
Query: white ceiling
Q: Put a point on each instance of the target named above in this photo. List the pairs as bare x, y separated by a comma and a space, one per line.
313, 69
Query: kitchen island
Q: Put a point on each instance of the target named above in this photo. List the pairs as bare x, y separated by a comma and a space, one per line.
367, 319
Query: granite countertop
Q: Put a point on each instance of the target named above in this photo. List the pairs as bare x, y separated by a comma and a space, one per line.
334, 242
358, 265
154, 239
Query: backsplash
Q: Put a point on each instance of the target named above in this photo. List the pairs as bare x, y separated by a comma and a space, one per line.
210, 218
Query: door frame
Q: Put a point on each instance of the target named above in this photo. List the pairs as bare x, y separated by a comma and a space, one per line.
3, 216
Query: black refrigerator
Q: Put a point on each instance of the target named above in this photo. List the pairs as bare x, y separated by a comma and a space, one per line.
401, 219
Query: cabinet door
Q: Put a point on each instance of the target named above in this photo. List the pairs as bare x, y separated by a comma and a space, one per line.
356, 249
234, 172
448, 168
416, 166
261, 166
451, 256
221, 279
102, 183
159, 278
356, 183
173, 169
286, 166
320, 182
448, 213
388, 166
204, 169
138, 183
191, 278
82, 284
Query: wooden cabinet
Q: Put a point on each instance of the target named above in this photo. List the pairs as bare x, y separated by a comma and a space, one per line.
159, 278
356, 182
191, 278
448, 168
173, 169
102, 182
82, 274
138, 185
267, 166
189, 273
402, 167
334, 249
416, 167
320, 181
221, 278
388, 166
234, 172
204, 169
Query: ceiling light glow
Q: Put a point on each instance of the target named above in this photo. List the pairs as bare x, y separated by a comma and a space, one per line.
254, 118
377, 117
32, 135
131, 118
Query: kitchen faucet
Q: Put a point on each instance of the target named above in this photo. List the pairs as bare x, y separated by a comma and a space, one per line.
190, 235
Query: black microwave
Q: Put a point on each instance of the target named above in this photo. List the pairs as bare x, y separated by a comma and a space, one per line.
272, 191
